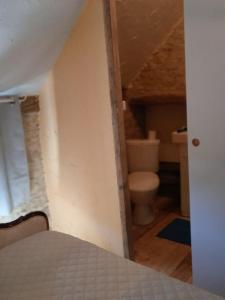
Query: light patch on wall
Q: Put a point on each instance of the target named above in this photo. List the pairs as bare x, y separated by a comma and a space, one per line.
88, 226
48, 118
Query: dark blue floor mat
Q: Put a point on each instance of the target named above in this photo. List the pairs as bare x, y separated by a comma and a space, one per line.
177, 231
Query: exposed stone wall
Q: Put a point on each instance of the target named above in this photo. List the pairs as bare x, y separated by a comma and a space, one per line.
143, 25
37, 181
30, 113
162, 76
133, 127
164, 72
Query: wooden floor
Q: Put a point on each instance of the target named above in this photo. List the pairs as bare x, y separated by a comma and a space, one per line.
173, 259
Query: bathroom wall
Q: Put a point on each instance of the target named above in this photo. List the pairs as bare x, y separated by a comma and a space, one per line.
165, 118
77, 138
134, 119
157, 66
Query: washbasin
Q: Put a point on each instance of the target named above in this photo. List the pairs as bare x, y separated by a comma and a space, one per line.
179, 137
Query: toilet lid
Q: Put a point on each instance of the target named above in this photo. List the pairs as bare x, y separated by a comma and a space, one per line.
143, 181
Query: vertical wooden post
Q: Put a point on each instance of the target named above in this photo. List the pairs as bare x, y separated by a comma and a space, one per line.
118, 122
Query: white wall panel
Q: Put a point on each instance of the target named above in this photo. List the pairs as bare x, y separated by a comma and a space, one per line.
205, 63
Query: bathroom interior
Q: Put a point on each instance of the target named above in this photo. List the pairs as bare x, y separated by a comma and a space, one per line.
152, 66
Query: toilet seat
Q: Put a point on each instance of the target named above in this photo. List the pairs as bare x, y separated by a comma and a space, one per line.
143, 181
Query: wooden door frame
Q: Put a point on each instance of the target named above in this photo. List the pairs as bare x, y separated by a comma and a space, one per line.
111, 34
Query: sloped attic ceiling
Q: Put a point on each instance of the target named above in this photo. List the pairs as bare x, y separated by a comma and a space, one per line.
143, 26
32, 34
163, 75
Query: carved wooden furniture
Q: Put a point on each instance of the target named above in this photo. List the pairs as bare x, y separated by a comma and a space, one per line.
22, 227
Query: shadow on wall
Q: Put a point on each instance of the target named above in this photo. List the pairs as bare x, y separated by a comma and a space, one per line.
134, 121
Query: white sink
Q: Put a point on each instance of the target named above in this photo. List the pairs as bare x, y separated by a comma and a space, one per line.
179, 137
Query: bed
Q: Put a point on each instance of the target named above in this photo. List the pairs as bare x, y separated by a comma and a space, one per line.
52, 265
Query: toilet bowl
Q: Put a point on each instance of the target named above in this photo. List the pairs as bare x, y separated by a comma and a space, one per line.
143, 163
143, 187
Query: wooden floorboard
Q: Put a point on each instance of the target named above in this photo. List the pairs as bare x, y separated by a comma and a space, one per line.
184, 270
171, 258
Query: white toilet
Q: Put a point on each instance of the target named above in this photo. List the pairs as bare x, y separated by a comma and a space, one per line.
143, 163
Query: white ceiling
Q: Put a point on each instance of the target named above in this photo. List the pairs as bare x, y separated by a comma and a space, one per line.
32, 34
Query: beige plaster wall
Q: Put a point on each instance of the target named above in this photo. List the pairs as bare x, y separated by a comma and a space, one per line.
77, 138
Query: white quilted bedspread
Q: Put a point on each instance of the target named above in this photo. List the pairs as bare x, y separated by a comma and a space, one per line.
52, 265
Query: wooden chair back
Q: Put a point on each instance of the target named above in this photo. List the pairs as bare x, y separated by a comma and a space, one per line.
23, 227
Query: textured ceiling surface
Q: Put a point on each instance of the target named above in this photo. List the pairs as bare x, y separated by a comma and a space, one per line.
163, 74
142, 26
32, 34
